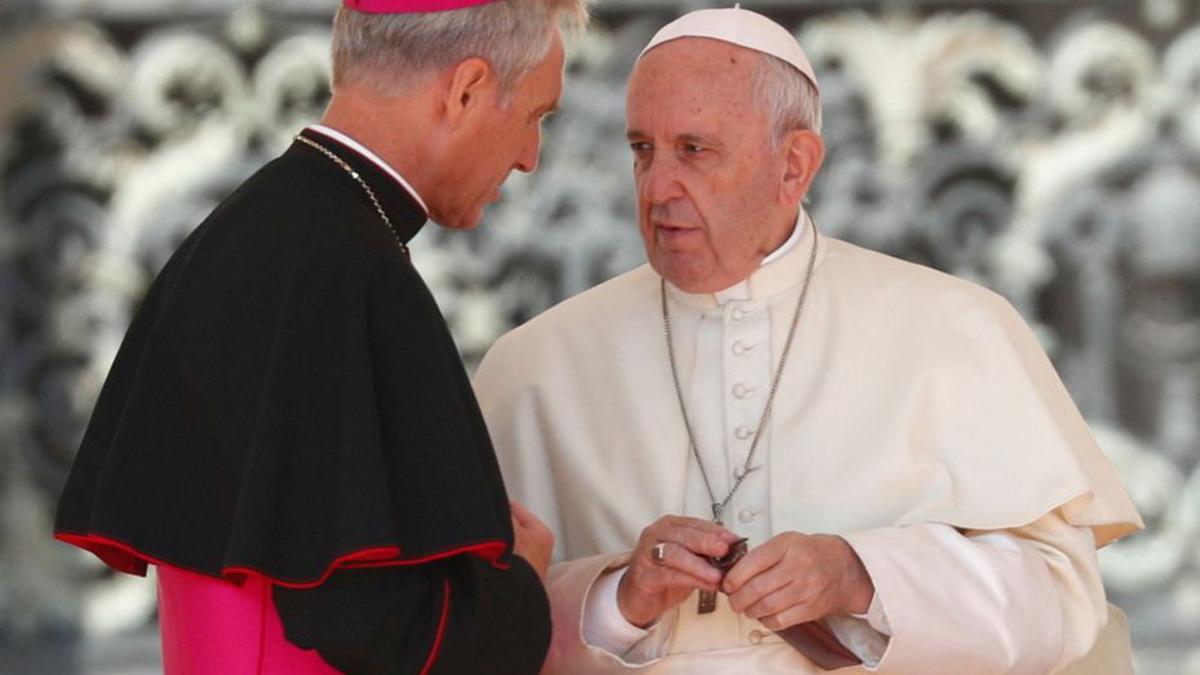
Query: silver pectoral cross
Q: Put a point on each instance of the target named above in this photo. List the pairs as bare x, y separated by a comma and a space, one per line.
708, 599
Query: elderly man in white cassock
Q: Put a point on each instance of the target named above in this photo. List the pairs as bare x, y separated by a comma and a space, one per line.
918, 492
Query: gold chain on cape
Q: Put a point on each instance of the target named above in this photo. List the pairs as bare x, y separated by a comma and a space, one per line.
366, 188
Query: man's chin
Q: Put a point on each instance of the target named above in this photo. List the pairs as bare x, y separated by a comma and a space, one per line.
681, 274
465, 221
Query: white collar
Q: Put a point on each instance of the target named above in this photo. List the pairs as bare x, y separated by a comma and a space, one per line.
741, 290
788, 245
376, 159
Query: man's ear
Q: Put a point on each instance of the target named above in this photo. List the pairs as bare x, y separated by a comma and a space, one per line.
471, 82
803, 153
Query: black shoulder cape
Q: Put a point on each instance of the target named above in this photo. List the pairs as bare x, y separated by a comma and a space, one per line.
288, 399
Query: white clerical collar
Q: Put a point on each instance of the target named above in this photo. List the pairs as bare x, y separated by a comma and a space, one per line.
741, 290
375, 159
788, 245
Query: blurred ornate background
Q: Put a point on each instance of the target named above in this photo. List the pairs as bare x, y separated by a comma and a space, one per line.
1049, 149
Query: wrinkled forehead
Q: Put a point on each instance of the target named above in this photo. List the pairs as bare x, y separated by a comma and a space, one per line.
694, 86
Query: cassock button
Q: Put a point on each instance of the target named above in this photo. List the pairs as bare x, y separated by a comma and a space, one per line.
737, 314
747, 516
740, 348
742, 391
742, 433
756, 636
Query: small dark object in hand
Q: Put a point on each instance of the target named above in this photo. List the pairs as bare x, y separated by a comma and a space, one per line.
708, 599
726, 562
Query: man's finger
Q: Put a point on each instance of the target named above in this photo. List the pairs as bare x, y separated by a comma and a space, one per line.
757, 561
681, 559
757, 588
675, 579
796, 614
780, 598
719, 531
654, 579
700, 542
679, 523
701, 536
688, 521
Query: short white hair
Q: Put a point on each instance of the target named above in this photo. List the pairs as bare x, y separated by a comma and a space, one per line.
392, 52
789, 98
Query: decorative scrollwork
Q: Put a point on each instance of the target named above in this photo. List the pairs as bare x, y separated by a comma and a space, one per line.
1060, 168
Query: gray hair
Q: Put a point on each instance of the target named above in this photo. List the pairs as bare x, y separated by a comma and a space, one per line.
392, 52
790, 100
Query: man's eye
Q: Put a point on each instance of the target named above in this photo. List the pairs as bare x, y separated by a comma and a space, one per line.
693, 149
640, 148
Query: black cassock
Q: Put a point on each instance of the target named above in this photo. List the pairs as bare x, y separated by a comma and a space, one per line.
288, 402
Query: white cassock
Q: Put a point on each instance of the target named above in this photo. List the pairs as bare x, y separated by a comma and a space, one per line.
917, 417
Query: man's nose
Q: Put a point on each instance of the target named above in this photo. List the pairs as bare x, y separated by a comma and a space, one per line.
527, 161
660, 181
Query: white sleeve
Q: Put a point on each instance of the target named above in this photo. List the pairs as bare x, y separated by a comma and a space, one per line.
603, 624
1020, 600
573, 587
866, 635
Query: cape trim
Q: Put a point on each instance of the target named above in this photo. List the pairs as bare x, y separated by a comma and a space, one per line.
126, 558
441, 629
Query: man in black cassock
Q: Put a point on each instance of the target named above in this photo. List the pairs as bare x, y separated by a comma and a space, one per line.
287, 431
